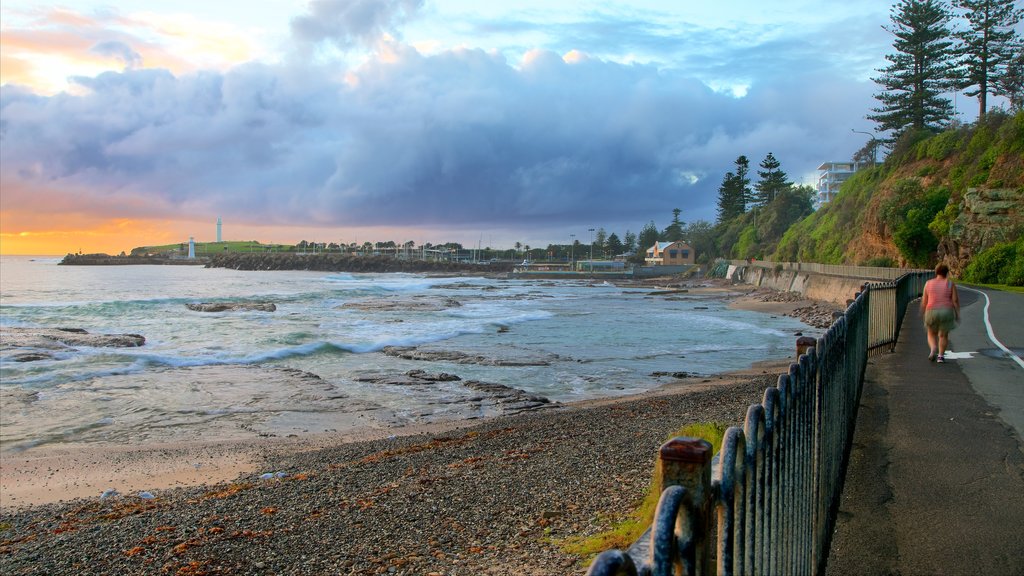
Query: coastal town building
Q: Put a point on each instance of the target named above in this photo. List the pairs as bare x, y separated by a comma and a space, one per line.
676, 253
831, 177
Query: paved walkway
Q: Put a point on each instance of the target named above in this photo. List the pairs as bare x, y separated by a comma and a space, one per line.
935, 484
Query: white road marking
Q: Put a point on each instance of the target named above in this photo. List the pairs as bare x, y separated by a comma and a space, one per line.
949, 355
991, 334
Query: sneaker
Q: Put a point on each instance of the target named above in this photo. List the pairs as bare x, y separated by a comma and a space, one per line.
940, 360
931, 356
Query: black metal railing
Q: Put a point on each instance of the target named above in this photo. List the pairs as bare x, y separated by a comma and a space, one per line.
766, 503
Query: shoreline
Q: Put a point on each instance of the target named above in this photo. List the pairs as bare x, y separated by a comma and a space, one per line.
55, 474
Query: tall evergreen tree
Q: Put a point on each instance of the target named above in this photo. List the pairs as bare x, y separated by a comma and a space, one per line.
629, 242
674, 231
614, 245
743, 182
987, 46
919, 72
730, 199
772, 181
648, 237
1011, 84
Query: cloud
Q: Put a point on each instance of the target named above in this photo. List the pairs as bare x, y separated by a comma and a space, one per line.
119, 50
462, 139
348, 23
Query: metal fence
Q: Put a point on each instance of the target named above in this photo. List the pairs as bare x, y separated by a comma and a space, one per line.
766, 503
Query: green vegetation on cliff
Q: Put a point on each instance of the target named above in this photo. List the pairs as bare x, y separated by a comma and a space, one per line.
916, 208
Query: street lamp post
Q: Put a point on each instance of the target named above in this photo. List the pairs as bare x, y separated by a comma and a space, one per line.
874, 146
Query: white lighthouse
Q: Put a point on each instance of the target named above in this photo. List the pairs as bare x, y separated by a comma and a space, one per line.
191, 247
219, 238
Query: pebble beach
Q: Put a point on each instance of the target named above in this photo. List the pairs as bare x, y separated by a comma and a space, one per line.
496, 496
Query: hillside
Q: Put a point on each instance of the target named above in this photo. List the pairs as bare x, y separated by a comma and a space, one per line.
937, 197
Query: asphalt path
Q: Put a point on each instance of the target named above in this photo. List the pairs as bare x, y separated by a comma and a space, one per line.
988, 346
935, 482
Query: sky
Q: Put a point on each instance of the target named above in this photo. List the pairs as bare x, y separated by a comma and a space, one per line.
125, 124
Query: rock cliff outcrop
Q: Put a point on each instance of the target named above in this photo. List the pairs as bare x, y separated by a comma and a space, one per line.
987, 217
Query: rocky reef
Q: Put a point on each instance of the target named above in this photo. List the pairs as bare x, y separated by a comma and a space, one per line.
33, 344
348, 263
232, 306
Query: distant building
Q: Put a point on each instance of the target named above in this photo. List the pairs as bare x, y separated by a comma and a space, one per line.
219, 238
832, 176
676, 253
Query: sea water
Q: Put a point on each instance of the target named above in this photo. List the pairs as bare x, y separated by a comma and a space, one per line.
203, 375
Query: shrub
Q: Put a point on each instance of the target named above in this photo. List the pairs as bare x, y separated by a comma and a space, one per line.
986, 267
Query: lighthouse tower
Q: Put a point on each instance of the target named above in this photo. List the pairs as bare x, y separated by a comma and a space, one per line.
219, 239
191, 247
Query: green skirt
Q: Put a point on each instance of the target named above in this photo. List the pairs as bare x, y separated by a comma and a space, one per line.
940, 319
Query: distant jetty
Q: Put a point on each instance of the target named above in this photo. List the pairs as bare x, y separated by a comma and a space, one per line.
108, 260
349, 263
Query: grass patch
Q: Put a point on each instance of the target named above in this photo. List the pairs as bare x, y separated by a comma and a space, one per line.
626, 531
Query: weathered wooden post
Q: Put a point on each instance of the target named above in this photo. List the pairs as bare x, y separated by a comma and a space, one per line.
686, 462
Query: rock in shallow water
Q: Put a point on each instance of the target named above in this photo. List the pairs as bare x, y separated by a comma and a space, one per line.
56, 338
232, 306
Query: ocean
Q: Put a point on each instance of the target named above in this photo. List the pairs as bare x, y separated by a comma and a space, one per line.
326, 359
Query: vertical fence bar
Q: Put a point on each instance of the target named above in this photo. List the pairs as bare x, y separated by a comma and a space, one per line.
753, 431
730, 511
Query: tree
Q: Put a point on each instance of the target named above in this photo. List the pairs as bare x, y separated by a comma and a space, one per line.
674, 231
772, 181
600, 238
1011, 84
987, 46
730, 199
648, 237
614, 245
919, 72
743, 182
700, 235
629, 242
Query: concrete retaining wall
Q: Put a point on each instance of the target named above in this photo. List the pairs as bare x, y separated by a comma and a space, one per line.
835, 289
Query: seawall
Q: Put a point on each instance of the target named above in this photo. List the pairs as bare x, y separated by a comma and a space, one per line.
827, 287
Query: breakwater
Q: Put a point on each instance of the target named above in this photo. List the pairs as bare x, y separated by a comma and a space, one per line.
349, 263
108, 260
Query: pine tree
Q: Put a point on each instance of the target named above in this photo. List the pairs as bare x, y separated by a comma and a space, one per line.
729, 198
919, 72
743, 182
674, 231
1011, 84
987, 46
648, 237
772, 181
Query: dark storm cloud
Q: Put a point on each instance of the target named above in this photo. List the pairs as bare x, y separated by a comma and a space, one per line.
462, 138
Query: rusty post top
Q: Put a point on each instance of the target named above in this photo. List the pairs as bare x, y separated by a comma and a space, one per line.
686, 450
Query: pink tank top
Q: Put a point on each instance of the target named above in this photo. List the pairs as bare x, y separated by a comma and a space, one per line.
940, 293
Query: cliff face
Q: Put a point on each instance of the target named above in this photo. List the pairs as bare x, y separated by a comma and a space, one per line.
987, 217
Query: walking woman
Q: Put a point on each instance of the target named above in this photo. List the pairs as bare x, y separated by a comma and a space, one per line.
940, 305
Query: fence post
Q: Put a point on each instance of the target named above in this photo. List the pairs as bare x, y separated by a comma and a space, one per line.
686, 462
